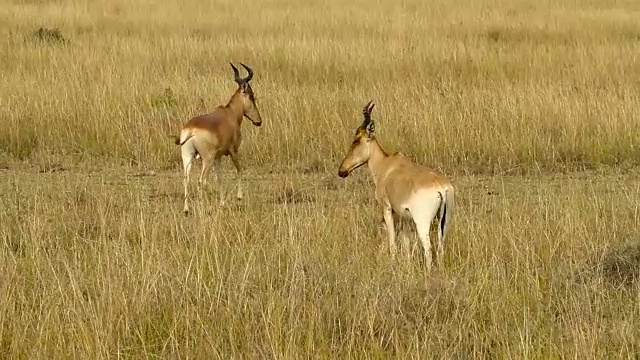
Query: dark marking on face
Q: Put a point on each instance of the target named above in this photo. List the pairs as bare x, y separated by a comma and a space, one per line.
249, 91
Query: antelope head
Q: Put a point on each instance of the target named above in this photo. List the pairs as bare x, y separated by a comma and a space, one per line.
249, 108
360, 151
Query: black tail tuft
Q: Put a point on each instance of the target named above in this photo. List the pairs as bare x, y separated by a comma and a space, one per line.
443, 221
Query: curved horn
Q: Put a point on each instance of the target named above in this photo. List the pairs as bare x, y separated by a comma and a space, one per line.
236, 74
250, 76
371, 107
367, 112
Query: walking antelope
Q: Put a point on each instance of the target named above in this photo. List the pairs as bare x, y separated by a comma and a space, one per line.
217, 134
402, 188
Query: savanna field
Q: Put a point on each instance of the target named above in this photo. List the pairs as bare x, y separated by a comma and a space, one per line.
530, 108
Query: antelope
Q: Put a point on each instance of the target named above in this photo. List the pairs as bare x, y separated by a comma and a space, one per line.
402, 188
217, 134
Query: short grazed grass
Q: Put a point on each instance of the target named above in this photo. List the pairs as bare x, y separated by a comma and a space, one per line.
531, 108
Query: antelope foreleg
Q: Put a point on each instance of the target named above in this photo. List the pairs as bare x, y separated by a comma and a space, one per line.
391, 231
236, 162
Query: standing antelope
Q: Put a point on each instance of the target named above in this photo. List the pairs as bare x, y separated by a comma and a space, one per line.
214, 135
402, 187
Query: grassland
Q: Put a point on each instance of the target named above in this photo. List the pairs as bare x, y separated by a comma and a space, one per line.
531, 108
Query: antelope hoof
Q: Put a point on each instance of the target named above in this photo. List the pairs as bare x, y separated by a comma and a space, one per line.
240, 195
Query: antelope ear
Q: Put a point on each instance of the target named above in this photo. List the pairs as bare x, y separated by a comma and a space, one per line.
371, 128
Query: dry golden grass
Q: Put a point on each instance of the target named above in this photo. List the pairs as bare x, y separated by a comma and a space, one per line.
530, 107
477, 86
103, 264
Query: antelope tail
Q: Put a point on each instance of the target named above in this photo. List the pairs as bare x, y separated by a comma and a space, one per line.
184, 137
446, 206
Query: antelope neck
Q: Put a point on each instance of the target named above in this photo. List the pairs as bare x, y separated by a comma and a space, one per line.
236, 106
377, 157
